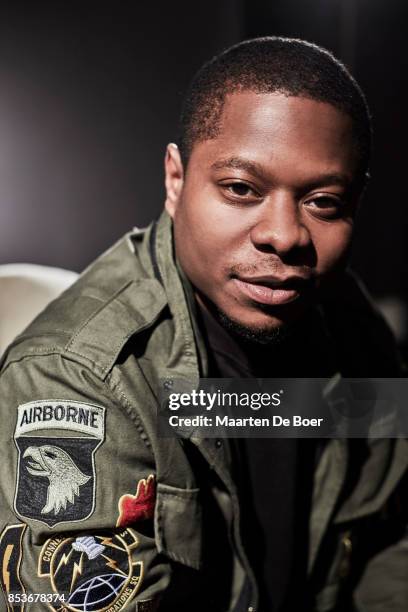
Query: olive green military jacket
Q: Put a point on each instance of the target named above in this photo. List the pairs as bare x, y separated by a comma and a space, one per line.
100, 513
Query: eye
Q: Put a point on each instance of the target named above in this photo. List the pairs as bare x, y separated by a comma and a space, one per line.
326, 207
238, 190
50, 455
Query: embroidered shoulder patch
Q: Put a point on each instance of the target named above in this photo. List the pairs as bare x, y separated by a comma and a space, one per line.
138, 507
11, 554
56, 478
92, 573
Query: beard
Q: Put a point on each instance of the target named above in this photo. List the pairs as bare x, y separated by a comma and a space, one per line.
253, 335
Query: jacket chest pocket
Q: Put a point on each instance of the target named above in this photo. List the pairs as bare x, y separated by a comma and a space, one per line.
178, 524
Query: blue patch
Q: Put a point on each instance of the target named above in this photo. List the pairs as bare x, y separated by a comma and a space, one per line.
93, 572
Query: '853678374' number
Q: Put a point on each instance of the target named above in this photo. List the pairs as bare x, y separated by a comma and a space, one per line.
36, 597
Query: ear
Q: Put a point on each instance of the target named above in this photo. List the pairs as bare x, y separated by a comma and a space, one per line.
174, 177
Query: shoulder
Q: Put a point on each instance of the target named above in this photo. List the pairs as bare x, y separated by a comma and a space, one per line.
66, 358
90, 322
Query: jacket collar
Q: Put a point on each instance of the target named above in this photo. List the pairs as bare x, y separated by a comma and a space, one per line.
189, 348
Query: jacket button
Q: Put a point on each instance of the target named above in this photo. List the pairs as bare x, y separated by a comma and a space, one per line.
168, 384
251, 609
347, 549
218, 443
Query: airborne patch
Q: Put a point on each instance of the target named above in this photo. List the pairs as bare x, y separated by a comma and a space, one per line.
93, 573
10, 560
56, 479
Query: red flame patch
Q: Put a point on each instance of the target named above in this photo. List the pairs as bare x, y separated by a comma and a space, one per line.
138, 507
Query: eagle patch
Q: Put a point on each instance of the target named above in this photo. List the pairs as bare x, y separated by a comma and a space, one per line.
56, 479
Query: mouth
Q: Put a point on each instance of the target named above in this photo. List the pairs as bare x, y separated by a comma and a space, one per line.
270, 290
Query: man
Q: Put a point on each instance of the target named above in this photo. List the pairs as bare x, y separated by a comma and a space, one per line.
101, 513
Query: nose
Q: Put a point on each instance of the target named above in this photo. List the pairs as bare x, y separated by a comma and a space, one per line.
279, 227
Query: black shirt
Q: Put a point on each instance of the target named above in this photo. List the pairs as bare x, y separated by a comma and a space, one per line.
274, 476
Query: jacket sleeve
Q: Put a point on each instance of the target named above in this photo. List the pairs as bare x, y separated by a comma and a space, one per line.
383, 584
77, 481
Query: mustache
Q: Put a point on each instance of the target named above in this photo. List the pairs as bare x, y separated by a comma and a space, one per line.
274, 267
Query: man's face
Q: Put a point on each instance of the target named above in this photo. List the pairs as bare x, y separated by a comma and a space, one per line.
263, 214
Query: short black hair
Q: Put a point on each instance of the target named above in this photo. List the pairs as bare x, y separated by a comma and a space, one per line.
267, 65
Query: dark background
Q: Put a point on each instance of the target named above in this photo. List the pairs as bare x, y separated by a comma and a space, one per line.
90, 95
